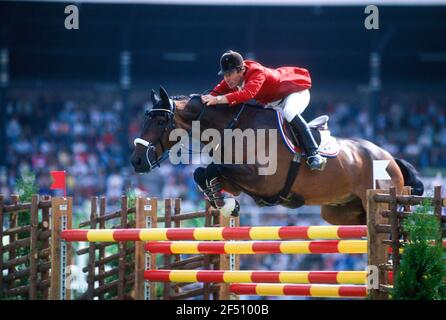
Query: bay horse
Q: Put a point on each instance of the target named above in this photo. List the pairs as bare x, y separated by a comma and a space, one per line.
340, 189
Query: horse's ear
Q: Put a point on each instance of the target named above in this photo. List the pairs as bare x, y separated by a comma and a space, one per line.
154, 97
164, 97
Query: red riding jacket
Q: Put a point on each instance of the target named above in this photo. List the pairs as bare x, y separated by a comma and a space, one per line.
264, 84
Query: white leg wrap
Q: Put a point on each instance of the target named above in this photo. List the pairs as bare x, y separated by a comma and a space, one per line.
229, 206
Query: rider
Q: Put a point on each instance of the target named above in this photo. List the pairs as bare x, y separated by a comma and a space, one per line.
283, 88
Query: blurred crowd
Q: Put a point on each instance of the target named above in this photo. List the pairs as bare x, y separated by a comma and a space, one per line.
407, 128
81, 137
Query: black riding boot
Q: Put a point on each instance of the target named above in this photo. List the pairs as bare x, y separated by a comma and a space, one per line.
314, 160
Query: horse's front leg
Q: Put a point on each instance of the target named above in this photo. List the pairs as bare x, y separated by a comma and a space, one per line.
219, 183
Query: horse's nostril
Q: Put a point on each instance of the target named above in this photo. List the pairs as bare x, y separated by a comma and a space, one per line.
136, 161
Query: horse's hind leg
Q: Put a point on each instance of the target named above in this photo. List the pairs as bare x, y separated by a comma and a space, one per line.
351, 213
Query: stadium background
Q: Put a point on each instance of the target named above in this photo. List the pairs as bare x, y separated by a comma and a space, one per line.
74, 99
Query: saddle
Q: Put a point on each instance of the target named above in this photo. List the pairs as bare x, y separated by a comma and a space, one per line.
328, 146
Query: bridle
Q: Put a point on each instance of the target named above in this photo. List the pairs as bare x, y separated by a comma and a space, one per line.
169, 125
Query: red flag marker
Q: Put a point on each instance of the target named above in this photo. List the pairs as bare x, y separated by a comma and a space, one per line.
59, 181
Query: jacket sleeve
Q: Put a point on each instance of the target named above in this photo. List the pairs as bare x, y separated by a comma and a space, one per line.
252, 87
220, 89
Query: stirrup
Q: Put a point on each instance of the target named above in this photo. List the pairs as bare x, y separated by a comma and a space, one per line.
320, 166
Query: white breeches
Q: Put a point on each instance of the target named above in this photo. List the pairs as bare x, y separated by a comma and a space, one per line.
292, 105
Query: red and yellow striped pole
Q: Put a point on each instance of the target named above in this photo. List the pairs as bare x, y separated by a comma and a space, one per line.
226, 233
224, 276
259, 247
303, 290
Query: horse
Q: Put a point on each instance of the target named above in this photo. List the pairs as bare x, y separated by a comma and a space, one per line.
340, 189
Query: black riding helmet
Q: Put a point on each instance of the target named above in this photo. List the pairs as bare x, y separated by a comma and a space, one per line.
229, 61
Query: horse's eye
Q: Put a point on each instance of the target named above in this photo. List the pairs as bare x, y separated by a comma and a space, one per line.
160, 122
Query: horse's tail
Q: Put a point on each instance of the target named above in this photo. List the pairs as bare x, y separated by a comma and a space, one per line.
411, 177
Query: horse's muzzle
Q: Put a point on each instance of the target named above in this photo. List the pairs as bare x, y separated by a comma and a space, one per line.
140, 164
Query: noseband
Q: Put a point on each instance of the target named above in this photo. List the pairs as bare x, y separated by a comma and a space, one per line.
150, 146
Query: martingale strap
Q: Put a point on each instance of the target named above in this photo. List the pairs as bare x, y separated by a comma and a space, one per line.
234, 121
